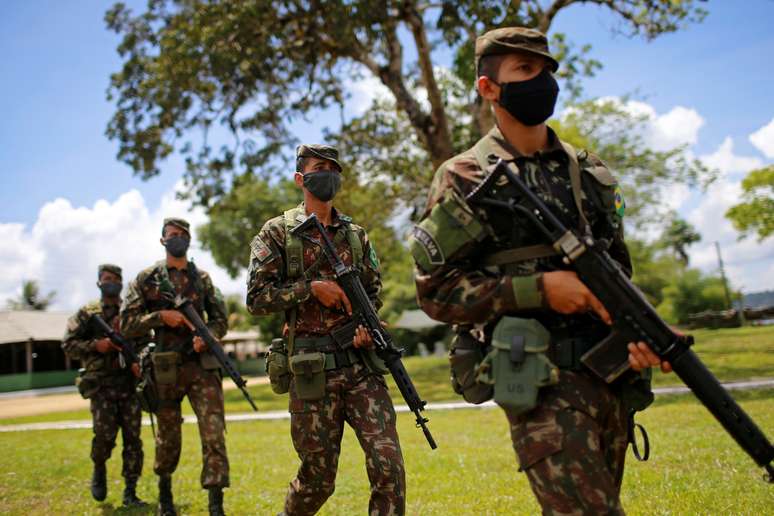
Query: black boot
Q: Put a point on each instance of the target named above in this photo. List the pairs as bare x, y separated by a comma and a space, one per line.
99, 482
130, 494
216, 502
166, 504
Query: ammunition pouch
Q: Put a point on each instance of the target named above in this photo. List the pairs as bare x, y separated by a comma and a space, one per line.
277, 367
450, 226
309, 375
208, 361
517, 365
87, 384
165, 365
465, 358
635, 390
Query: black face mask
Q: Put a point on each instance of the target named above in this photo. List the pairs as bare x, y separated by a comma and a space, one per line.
110, 289
177, 246
530, 102
323, 184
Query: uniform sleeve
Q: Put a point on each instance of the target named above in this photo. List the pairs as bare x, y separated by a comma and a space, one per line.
136, 321
217, 316
371, 275
458, 290
77, 342
267, 289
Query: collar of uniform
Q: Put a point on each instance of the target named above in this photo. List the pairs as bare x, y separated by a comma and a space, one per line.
336, 218
501, 148
169, 268
103, 304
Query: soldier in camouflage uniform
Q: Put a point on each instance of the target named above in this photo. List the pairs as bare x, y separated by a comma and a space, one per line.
182, 365
572, 442
290, 274
108, 386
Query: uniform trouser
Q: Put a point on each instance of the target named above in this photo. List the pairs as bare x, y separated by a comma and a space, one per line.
362, 400
572, 446
114, 407
205, 392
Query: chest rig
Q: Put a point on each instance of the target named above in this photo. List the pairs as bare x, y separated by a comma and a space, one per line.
511, 257
163, 289
294, 258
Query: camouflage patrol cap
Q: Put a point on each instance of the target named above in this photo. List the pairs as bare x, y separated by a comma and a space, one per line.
506, 40
313, 150
177, 222
109, 267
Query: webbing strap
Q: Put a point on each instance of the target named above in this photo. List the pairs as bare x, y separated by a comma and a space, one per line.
575, 183
292, 330
294, 249
519, 254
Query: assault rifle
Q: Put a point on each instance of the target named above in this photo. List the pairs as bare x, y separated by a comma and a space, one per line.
365, 314
128, 356
634, 319
187, 308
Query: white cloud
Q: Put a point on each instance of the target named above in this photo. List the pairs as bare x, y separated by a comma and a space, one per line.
763, 139
748, 262
363, 92
727, 162
678, 126
66, 244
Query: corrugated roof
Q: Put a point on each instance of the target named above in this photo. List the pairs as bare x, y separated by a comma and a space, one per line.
23, 325
416, 320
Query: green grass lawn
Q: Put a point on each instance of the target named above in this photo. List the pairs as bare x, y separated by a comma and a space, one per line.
731, 354
695, 468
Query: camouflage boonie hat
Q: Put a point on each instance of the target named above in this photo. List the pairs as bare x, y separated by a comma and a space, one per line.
318, 151
507, 39
177, 222
109, 267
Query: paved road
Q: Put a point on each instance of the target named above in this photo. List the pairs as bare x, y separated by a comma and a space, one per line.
283, 414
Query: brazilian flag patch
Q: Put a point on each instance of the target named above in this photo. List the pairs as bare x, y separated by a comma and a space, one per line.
620, 204
372, 257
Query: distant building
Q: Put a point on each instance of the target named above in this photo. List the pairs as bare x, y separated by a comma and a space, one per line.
31, 355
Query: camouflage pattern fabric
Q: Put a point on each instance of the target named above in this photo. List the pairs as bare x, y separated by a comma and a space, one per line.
113, 408
140, 313
361, 399
113, 404
572, 444
269, 290
141, 309
205, 392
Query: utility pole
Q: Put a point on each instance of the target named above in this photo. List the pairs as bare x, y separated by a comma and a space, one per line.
723, 276
729, 304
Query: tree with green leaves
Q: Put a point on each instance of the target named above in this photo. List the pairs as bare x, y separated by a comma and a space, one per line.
678, 235
252, 67
755, 214
31, 298
692, 292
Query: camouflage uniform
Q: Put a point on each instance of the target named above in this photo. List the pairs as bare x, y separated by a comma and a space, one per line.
109, 387
355, 391
197, 375
572, 444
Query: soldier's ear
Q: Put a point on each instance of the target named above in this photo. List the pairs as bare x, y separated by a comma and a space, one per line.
298, 177
487, 88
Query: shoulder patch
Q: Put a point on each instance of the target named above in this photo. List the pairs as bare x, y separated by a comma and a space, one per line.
428, 244
620, 203
372, 257
259, 249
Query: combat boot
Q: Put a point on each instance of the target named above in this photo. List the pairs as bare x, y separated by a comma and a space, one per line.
99, 482
216, 502
166, 504
130, 494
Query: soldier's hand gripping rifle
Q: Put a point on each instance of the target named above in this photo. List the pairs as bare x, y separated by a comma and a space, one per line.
365, 314
127, 354
634, 319
187, 308
127, 357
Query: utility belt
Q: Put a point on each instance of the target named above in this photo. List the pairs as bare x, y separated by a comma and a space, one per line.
337, 346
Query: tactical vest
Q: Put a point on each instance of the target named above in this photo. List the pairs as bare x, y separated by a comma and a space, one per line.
195, 286
533, 252
294, 258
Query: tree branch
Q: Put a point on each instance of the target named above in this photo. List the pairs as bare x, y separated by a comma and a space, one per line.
548, 16
440, 138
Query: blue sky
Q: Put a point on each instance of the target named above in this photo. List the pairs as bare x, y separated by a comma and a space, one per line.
712, 80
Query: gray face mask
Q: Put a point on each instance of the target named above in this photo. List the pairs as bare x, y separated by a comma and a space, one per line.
110, 289
177, 246
323, 184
